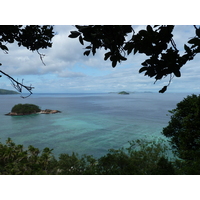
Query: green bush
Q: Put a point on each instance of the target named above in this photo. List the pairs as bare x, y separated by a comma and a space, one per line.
183, 129
141, 158
25, 109
15, 160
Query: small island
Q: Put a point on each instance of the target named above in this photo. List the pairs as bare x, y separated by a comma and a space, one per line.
28, 109
123, 92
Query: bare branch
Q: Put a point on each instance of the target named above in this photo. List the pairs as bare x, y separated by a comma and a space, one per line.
41, 57
173, 44
18, 86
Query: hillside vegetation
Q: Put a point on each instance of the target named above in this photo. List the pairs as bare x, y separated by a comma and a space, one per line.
2, 91
123, 92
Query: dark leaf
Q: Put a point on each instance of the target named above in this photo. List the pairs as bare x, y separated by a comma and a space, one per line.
142, 32
129, 47
88, 47
187, 49
129, 51
135, 51
123, 58
74, 34
151, 72
198, 32
114, 63
163, 89
81, 40
107, 55
177, 73
159, 76
143, 69
86, 53
194, 41
4, 48
149, 28
93, 50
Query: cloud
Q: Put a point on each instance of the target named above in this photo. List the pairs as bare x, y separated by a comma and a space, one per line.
70, 74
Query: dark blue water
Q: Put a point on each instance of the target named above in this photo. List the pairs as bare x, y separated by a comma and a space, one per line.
89, 123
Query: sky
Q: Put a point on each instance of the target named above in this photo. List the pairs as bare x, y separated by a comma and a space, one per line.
67, 70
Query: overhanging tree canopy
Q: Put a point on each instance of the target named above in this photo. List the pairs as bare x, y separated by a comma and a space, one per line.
156, 42
33, 37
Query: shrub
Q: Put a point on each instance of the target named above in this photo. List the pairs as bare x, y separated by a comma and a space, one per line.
184, 128
15, 160
141, 157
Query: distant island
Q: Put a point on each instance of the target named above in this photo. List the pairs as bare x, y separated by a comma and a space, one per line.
2, 91
123, 92
28, 109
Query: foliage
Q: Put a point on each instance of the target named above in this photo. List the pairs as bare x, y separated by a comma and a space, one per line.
156, 42
2, 91
33, 37
184, 128
75, 165
141, 157
25, 109
123, 92
17, 161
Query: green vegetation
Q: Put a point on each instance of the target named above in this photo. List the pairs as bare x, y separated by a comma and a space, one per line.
123, 92
2, 91
24, 109
184, 128
141, 157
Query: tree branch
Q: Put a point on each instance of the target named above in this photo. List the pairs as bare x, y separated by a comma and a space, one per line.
41, 57
19, 86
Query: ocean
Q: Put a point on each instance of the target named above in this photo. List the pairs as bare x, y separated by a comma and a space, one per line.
88, 123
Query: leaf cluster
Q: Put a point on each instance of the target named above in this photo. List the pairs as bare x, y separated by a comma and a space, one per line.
111, 38
184, 128
141, 157
33, 37
156, 42
15, 160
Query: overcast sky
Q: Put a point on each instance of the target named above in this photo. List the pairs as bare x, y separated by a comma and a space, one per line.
67, 70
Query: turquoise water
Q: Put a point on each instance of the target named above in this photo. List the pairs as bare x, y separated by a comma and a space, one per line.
89, 123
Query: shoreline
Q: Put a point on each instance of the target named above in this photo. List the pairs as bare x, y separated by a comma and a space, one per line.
46, 111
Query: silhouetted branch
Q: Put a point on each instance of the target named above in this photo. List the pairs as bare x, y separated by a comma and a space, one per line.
41, 57
19, 86
173, 44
